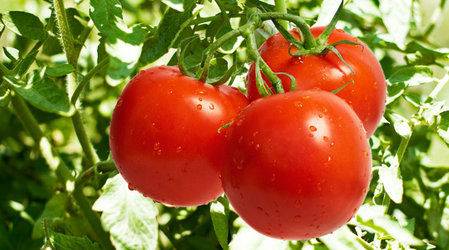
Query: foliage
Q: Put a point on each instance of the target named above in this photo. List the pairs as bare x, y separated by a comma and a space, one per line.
63, 69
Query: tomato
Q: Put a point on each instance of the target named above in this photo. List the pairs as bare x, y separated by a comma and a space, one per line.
365, 89
165, 136
299, 164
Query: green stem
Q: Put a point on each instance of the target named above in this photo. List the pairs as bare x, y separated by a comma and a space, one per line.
103, 166
66, 36
322, 39
89, 151
100, 66
92, 218
254, 53
309, 40
403, 147
4, 69
26, 118
281, 7
215, 46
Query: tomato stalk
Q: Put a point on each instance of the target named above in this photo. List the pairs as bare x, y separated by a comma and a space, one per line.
308, 39
281, 7
254, 53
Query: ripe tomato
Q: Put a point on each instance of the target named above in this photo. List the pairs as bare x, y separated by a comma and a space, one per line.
365, 91
164, 135
299, 164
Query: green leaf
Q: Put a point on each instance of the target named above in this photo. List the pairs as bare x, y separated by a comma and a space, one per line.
219, 211
157, 45
373, 219
67, 242
412, 76
24, 24
174, 4
343, 238
122, 43
54, 209
391, 179
443, 127
59, 70
248, 239
127, 215
44, 94
401, 125
397, 16
5, 96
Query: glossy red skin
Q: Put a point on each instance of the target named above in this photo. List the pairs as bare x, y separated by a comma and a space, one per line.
299, 164
164, 135
366, 95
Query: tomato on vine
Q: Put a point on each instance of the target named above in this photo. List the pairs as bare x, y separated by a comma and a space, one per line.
357, 76
299, 164
165, 135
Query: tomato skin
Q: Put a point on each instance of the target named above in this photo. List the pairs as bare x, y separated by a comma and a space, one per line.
299, 164
164, 135
366, 94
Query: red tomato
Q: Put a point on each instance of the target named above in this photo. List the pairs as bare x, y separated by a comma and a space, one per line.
365, 91
164, 135
299, 164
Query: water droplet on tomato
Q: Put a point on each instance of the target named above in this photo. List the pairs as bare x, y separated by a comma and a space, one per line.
312, 128
178, 149
170, 91
260, 209
329, 158
297, 218
211, 106
199, 106
131, 187
273, 177
325, 138
332, 144
257, 146
320, 115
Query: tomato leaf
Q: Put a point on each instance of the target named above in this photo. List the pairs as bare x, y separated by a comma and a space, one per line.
397, 16
59, 70
127, 215
443, 127
67, 242
54, 209
122, 43
24, 24
4, 96
249, 239
157, 45
43, 93
401, 125
343, 238
373, 219
391, 180
219, 211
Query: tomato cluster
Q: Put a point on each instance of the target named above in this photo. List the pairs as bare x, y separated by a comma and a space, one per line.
295, 165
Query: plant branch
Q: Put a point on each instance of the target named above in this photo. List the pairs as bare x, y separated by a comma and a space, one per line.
254, 53
309, 40
65, 34
281, 7
100, 66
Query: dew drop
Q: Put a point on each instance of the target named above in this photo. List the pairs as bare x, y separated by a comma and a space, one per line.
131, 187
260, 209
325, 138
332, 144
200, 99
329, 158
199, 106
170, 91
320, 115
211, 106
178, 149
312, 128
273, 177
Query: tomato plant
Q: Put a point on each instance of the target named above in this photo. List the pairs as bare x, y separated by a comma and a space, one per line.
165, 127
65, 65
